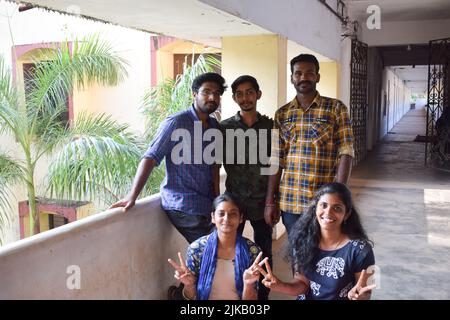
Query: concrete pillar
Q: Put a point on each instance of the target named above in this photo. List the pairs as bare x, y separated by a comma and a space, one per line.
345, 71
263, 57
328, 84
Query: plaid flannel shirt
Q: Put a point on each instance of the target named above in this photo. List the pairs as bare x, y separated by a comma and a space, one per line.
310, 144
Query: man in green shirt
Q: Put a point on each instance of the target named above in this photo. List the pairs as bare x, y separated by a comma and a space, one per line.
246, 153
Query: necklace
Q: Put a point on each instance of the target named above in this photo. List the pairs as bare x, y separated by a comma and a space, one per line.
337, 244
333, 246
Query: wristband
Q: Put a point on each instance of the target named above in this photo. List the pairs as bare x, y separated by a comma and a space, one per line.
185, 297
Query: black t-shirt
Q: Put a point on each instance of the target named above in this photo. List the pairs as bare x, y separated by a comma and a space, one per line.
333, 274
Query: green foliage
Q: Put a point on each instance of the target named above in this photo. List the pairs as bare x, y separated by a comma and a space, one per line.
10, 173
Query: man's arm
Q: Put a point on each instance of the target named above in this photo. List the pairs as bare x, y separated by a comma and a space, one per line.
272, 211
143, 172
344, 169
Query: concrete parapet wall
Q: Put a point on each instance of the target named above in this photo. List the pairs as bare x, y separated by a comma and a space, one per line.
119, 255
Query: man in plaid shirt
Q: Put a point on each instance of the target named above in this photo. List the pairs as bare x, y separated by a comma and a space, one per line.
315, 145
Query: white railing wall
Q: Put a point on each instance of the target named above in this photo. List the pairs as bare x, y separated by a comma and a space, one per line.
116, 255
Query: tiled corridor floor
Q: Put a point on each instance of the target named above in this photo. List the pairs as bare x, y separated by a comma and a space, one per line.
405, 209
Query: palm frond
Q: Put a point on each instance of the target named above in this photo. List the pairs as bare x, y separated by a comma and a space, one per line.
9, 106
87, 61
10, 173
52, 133
98, 157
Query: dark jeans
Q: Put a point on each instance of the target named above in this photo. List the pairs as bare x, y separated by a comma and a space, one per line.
191, 227
262, 234
289, 220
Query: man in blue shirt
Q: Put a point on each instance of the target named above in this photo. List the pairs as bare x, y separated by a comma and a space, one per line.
191, 184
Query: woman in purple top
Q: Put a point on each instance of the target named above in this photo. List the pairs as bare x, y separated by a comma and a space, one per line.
330, 253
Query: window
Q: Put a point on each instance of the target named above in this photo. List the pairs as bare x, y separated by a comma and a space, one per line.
56, 220
179, 59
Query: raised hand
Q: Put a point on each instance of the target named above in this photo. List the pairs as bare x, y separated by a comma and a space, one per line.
182, 273
251, 275
270, 280
360, 291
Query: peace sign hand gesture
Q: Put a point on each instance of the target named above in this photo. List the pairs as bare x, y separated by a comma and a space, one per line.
182, 272
359, 291
270, 281
251, 275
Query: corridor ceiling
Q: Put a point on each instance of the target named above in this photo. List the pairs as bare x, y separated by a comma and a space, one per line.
410, 63
402, 10
415, 78
189, 19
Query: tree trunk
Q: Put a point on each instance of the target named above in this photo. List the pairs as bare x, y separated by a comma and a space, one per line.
35, 227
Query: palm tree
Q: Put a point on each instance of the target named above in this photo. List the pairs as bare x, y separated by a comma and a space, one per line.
171, 96
96, 154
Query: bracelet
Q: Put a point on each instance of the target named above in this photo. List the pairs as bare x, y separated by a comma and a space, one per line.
186, 298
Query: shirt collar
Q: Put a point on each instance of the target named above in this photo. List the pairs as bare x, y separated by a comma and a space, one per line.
238, 117
193, 113
196, 118
317, 100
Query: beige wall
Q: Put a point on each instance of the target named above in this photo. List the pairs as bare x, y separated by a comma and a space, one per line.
263, 57
328, 84
164, 57
123, 101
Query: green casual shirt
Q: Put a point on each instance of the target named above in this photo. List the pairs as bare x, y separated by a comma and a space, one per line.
244, 180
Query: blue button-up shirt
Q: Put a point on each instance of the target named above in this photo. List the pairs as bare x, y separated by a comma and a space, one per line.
187, 187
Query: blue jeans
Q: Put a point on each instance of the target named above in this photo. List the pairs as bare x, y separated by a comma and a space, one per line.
191, 227
289, 220
262, 234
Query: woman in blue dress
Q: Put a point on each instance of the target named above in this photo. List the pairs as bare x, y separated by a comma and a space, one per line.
223, 264
331, 256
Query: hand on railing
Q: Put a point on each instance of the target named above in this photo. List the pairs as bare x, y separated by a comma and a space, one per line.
127, 203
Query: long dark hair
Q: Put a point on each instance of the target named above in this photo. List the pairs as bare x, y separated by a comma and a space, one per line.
226, 197
305, 234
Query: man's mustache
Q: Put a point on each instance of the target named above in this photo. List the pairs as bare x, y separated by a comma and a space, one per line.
305, 82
